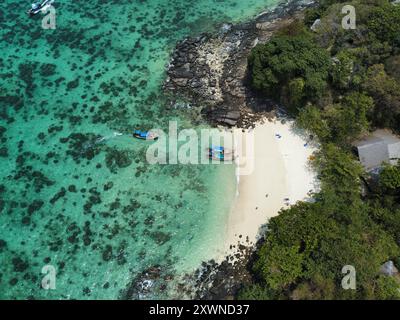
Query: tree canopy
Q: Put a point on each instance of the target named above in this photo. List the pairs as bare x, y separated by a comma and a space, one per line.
339, 85
293, 65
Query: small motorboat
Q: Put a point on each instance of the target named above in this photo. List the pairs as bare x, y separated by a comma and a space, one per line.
220, 156
145, 135
217, 150
39, 6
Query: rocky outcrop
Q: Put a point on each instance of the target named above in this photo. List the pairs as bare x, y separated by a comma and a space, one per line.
316, 25
389, 269
210, 71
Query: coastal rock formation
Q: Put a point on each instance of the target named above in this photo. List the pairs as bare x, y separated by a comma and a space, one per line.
213, 280
211, 70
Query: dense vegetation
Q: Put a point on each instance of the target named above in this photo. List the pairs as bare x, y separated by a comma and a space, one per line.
339, 84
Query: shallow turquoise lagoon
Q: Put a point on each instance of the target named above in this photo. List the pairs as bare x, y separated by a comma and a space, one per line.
73, 193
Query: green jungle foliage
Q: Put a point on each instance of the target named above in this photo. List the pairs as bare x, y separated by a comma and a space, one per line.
339, 84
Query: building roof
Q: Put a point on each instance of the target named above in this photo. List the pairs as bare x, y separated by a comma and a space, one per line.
381, 146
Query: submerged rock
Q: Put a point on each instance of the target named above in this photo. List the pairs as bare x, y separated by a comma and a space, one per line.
117, 159
107, 253
3, 152
47, 69
19, 264
3, 245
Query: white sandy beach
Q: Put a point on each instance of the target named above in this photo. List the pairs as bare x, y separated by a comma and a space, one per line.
281, 171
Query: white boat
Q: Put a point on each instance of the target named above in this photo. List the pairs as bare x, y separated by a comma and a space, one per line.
39, 6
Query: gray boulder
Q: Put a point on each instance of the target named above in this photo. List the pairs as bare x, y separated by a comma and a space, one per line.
389, 269
316, 25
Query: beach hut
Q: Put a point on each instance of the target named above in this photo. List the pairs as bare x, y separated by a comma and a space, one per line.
380, 147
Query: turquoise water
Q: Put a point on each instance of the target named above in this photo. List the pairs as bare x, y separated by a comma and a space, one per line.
92, 207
